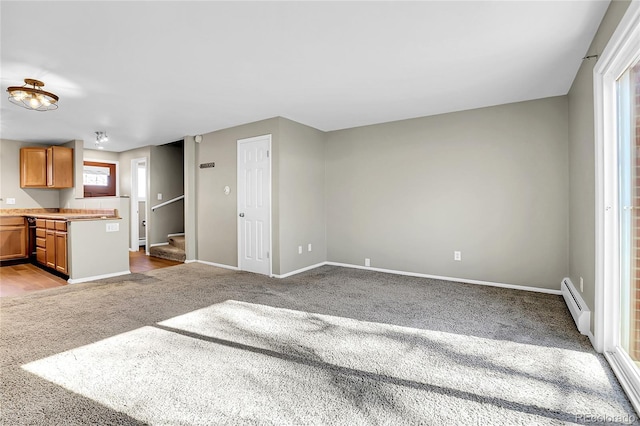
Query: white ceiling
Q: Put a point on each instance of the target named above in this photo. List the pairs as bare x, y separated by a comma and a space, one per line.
149, 73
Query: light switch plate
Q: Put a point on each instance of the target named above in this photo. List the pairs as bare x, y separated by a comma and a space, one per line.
159, 196
11, 200
113, 227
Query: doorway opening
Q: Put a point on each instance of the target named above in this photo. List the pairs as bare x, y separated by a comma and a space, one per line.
139, 190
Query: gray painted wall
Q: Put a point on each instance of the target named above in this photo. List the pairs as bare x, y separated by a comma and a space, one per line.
301, 190
142, 216
99, 155
298, 199
125, 166
190, 199
166, 176
491, 182
94, 252
125, 172
10, 181
217, 212
582, 161
77, 192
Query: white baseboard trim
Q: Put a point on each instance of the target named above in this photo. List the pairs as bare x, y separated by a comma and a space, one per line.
97, 277
158, 244
179, 234
190, 261
133, 250
297, 271
592, 339
219, 265
409, 274
438, 277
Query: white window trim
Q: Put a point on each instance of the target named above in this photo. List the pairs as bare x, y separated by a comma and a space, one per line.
620, 53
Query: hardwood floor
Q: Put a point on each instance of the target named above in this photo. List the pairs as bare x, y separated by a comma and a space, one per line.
21, 279
140, 262
16, 280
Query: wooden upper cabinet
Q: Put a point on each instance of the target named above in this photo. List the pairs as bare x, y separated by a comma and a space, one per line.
33, 167
42, 167
59, 167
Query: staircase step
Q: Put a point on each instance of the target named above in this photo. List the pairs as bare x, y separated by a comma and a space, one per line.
168, 252
177, 241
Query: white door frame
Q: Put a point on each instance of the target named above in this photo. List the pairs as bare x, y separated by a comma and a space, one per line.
621, 51
134, 237
239, 236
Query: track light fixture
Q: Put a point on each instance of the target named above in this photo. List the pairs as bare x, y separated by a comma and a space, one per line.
101, 137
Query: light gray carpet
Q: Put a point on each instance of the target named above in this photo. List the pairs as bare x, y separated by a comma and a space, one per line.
194, 344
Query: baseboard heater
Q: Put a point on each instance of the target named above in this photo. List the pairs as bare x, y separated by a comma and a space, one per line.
578, 308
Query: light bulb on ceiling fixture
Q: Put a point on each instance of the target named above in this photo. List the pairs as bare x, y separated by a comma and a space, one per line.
34, 103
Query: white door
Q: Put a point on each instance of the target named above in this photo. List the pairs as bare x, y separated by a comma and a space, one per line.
254, 204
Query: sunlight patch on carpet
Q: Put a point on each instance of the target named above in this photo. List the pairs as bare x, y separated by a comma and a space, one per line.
244, 361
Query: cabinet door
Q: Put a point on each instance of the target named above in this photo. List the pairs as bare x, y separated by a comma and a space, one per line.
59, 167
51, 248
13, 239
61, 252
41, 255
41, 242
33, 167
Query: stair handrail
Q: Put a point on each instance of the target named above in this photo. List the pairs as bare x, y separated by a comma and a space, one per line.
173, 200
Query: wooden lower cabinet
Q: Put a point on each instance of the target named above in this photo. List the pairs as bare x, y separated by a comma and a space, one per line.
13, 238
50, 249
51, 244
41, 242
61, 252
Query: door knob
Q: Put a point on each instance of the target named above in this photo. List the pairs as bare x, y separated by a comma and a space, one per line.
241, 214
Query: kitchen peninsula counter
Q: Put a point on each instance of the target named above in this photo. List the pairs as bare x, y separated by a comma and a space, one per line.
96, 241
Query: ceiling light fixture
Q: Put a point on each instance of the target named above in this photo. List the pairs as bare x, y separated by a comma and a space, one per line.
33, 97
101, 137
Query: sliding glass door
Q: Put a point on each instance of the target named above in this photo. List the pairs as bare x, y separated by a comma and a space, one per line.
617, 143
628, 126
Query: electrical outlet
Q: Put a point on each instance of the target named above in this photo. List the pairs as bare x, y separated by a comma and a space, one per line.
581, 285
309, 247
11, 200
299, 249
113, 227
367, 261
457, 255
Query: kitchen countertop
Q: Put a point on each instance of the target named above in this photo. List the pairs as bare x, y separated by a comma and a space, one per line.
68, 214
